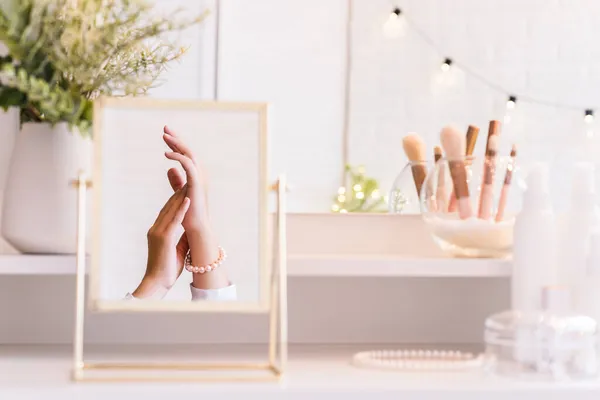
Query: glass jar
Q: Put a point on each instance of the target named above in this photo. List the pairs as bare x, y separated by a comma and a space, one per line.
404, 197
542, 345
470, 204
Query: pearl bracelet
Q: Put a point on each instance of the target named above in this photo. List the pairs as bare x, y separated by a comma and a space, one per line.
417, 360
206, 268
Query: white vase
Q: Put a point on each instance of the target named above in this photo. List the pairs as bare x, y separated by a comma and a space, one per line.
40, 206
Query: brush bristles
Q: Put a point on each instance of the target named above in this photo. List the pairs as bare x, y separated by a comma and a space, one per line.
513, 151
414, 147
437, 153
492, 147
453, 143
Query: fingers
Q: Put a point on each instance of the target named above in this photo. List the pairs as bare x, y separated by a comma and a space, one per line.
188, 166
174, 217
180, 212
176, 179
168, 131
176, 144
166, 213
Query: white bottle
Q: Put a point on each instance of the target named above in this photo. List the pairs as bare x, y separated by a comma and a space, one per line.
588, 299
534, 248
582, 218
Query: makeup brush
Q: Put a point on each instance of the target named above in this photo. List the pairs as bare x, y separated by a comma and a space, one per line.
472, 134
415, 150
486, 197
507, 179
440, 193
493, 129
437, 153
454, 142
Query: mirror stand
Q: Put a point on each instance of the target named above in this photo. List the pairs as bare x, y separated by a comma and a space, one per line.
272, 370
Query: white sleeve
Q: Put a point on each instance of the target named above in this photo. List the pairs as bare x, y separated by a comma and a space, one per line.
228, 293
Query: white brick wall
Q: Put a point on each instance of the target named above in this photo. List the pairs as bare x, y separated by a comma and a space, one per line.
292, 54
541, 48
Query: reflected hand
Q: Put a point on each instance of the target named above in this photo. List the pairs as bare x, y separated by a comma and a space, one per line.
177, 182
163, 268
198, 231
196, 220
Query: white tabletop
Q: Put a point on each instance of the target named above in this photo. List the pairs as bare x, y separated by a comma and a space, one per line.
42, 372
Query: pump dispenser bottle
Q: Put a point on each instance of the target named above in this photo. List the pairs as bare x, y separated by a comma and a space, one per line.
534, 250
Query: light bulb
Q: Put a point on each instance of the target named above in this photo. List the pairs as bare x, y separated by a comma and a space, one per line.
394, 26
341, 198
510, 106
446, 65
357, 188
360, 195
589, 116
343, 211
335, 208
511, 103
342, 190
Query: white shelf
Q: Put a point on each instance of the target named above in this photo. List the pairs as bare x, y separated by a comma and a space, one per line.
373, 265
39, 371
303, 265
26, 264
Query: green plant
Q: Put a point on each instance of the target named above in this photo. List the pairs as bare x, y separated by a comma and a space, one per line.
362, 195
62, 54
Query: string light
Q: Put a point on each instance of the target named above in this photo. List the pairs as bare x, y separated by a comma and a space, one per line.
394, 26
512, 102
588, 117
446, 65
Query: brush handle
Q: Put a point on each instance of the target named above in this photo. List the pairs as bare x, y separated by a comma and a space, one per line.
452, 205
461, 188
419, 173
486, 201
504, 193
502, 203
486, 197
464, 208
440, 193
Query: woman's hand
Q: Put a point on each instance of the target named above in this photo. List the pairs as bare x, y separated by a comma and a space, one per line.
163, 267
200, 236
177, 182
197, 218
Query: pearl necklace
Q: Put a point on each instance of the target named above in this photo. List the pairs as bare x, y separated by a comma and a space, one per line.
417, 360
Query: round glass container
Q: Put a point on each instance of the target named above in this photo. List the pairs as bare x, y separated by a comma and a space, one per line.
403, 197
469, 205
541, 345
